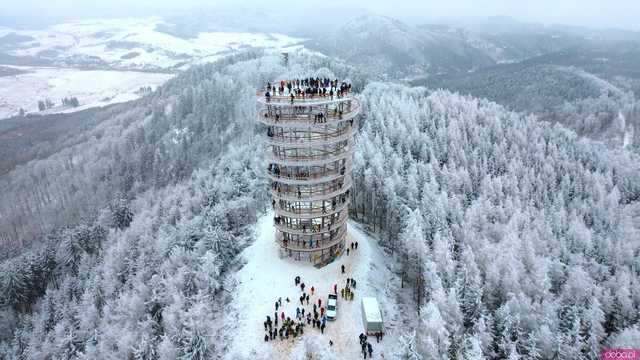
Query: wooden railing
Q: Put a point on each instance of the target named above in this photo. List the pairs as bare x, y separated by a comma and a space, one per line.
310, 118
310, 213
319, 194
312, 245
310, 137
314, 229
307, 98
312, 178
302, 160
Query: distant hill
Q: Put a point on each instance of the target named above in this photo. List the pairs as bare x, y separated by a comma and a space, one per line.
151, 44
398, 50
590, 89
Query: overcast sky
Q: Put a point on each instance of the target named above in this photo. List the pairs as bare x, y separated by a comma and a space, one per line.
593, 13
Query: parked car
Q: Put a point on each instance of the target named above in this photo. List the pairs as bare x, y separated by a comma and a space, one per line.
332, 306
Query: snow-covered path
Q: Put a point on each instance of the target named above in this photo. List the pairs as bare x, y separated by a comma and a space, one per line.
266, 277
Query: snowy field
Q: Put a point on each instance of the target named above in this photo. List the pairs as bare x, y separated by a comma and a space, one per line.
91, 87
132, 43
266, 277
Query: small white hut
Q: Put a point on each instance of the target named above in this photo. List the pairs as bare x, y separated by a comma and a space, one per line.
371, 316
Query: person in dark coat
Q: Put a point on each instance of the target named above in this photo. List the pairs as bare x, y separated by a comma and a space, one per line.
370, 349
266, 338
342, 267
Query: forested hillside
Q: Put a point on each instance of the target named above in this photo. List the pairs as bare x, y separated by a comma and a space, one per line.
152, 143
120, 241
523, 237
518, 238
590, 89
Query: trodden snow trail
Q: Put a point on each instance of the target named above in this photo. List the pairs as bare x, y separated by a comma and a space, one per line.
267, 277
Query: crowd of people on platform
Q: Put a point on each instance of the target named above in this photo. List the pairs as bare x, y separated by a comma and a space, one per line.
307, 88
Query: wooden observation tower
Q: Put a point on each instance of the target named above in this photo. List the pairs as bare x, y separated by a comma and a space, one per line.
310, 124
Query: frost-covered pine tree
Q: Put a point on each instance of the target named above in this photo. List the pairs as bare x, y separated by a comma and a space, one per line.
471, 349
407, 348
434, 337
415, 249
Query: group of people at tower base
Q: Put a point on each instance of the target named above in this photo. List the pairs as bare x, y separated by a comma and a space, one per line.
294, 327
308, 88
282, 327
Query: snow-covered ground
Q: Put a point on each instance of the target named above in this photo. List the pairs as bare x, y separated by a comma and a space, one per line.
132, 43
91, 87
265, 277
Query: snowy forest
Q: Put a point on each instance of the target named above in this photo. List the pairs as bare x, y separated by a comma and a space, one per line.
510, 237
522, 237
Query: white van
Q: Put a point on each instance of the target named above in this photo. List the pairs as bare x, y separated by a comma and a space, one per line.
332, 306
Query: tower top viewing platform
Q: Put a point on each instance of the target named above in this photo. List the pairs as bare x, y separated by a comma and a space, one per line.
310, 91
304, 103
